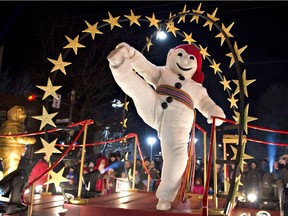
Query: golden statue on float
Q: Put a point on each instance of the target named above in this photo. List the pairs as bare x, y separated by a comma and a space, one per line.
12, 148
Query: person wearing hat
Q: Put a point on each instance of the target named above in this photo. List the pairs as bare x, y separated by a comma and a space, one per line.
168, 107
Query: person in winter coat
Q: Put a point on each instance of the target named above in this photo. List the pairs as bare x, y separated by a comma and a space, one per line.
93, 180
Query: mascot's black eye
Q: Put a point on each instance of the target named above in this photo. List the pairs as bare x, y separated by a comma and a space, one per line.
180, 54
192, 57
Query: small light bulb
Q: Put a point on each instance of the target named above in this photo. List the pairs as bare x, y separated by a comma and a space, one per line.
161, 35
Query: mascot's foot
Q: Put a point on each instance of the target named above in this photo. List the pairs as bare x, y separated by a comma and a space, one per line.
163, 205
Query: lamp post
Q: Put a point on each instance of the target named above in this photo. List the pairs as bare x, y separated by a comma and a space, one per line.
151, 141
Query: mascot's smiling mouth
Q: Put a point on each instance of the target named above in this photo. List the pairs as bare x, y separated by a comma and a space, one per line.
184, 69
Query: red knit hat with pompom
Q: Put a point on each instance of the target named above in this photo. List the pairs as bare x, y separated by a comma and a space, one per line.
192, 50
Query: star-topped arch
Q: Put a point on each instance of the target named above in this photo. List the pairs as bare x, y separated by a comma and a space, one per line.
135, 21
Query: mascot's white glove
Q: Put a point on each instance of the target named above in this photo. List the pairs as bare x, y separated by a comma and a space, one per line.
118, 55
216, 112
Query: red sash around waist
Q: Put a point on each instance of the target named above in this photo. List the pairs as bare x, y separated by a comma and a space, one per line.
177, 94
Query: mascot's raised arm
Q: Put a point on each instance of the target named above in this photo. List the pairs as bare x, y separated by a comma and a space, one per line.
169, 108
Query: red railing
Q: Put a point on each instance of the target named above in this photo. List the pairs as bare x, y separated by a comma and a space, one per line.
72, 145
209, 168
83, 123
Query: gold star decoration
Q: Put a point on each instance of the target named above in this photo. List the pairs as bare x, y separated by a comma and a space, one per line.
133, 18
153, 21
188, 38
225, 83
213, 18
48, 148
148, 44
215, 66
113, 21
171, 15
183, 14
236, 117
227, 32
171, 28
246, 118
245, 83
59, 64
204, 52
57, 178
245, 156
233, 101
242, 160
45, 118
236, 191
196, 16
234, 150
126, 105
49, 89
238, 54
237, 182
92, 29
241, 163
124, 123
73, 44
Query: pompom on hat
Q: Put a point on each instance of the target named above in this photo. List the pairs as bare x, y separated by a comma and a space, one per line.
192, 50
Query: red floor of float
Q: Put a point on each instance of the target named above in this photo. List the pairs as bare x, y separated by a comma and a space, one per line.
143, 204
125, 203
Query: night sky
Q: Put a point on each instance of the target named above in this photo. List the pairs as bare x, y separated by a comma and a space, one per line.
262, 25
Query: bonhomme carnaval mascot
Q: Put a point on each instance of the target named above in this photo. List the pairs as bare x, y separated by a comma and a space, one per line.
169, 107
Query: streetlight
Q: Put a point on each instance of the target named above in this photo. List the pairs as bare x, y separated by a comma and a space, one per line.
151, 141
161, 35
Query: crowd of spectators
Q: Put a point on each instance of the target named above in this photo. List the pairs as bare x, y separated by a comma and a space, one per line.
267, 177
101, 174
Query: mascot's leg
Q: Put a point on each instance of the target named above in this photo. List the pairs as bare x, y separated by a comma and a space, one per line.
174, 140
144, 97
